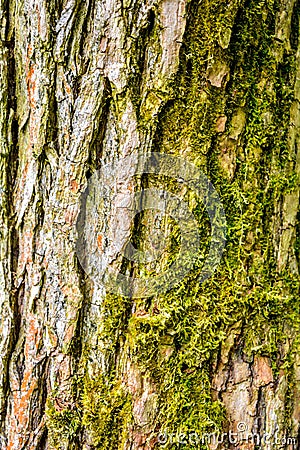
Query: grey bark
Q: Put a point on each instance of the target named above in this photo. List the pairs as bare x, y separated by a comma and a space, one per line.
84, 83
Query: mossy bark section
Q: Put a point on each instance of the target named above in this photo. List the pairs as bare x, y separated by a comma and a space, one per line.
84, 83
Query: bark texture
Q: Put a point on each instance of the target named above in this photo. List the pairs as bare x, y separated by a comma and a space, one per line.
87, 82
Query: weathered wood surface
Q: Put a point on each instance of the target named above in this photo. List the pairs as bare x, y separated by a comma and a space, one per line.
84, 83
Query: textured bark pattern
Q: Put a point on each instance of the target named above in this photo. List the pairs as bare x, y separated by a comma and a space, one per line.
84, 83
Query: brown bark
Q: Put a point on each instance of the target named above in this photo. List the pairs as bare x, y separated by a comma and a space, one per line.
86, 83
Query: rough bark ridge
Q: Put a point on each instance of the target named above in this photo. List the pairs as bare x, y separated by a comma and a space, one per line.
84, 83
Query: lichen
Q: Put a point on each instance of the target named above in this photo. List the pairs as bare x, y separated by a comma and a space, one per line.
107, 412
179, 334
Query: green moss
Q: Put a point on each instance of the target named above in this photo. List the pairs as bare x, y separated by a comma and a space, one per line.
178, 344
107, 412
178, 335
63, 426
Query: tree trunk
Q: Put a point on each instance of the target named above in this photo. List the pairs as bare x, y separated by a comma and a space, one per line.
86, 83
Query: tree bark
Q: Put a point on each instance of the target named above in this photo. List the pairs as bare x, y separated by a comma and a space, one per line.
86, 83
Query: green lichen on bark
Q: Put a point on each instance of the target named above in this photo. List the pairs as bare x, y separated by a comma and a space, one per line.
243, 72
95, 81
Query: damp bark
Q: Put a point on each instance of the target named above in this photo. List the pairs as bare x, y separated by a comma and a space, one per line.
86, 83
